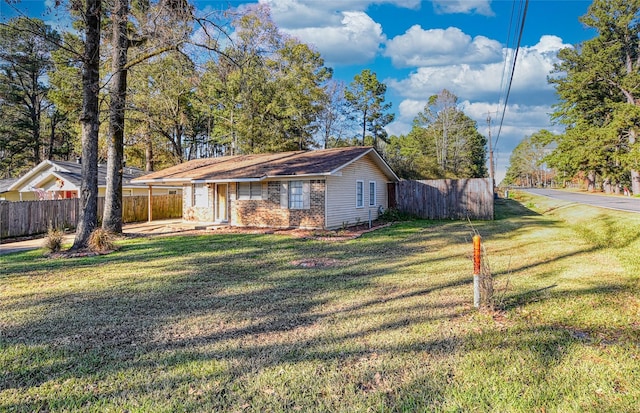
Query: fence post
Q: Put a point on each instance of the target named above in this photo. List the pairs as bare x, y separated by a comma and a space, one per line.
476, 270
150, 204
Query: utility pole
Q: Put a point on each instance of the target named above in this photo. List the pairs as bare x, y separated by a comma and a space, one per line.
491, 171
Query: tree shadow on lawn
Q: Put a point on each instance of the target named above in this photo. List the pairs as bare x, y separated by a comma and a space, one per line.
220, 306
279, 296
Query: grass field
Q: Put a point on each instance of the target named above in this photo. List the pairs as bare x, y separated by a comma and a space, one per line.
231, 323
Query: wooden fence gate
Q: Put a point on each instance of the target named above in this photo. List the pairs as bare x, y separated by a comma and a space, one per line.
447, 198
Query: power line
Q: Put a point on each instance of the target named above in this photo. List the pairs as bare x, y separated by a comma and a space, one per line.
506, 59
513, 67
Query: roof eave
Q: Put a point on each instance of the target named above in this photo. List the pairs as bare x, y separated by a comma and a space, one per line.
301, 175
36, 169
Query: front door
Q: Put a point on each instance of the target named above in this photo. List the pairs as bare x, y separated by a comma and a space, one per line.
221, 202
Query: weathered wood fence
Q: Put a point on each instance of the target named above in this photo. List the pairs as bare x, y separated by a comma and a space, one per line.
447, 198
19, 219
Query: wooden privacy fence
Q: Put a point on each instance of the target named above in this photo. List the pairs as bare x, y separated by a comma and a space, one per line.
19, 219
135, 208
447, 198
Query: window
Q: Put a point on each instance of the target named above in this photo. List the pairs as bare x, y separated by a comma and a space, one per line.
359, 194
188, 195
296, 195
250, 190
201, 195
372, 193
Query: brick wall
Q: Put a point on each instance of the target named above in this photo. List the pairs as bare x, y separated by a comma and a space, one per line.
268, 212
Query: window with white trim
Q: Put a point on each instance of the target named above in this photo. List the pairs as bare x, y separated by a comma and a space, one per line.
372, 193
359, 194
249, 190
201, 195
296, 195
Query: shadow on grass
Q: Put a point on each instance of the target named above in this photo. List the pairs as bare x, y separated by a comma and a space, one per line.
238, 303
509, 208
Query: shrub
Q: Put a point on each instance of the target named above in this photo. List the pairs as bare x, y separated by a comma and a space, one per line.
101, 240
53, 240
393, 215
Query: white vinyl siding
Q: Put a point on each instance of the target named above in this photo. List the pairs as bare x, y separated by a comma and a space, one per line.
359, 194
341, 194
372, 193
249, 190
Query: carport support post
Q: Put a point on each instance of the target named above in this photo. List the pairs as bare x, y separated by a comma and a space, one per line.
476, 270
150, 204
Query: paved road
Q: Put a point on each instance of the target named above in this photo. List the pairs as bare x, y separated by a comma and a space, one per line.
621, 203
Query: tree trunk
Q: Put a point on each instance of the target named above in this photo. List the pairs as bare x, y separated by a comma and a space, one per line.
36, 109
52, 136
148, 154
112, 216
90, 122
364, 125
606, 185
635, 174
591, 181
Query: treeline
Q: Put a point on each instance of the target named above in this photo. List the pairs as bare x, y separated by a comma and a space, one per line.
226, 83
597, 83
229, 83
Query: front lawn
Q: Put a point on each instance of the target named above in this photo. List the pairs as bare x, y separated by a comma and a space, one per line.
234, 323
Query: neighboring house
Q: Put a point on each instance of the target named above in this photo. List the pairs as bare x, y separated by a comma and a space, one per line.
61, 180
5, 194
328, 188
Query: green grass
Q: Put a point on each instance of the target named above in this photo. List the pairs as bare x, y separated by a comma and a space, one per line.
227, 323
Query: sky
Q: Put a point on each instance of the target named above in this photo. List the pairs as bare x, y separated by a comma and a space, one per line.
418, 48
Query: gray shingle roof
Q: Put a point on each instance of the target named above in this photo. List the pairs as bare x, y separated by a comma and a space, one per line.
6, 183
74, 174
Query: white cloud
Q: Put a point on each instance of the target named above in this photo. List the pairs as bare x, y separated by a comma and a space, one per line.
485, 81
482, 7
549, 44
407, 111
297, 14
435, 47
356, 40
339, 29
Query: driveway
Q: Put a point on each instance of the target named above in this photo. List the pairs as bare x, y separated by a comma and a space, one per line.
153, 227
617, 202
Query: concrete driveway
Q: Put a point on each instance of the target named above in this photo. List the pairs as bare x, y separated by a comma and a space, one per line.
153, 227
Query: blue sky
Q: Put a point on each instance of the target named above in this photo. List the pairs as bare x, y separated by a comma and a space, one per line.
420, 47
